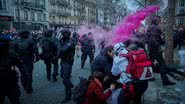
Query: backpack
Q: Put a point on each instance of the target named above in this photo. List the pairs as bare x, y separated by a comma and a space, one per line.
48, 46
78, 93
24, 47
139, 66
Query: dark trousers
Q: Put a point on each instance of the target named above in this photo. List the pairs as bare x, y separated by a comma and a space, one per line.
49, 63
139, 89
162, 65
9, 87
66, 69
26, 71
84, 57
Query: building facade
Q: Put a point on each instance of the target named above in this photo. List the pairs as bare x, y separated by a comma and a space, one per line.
71, 13
90, 8
59, 12
30, 14
6, 17
105, 13
180, 12
100, 12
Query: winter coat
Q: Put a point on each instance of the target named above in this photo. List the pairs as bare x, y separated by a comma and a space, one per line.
26, 49
153, 38
102, 63
88, 45
49, 47
95, 95
119, 67
66, 51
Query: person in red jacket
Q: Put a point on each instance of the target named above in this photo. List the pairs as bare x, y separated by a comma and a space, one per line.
94, 93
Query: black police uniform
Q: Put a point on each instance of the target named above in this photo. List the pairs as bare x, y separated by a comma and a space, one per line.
66, 54
49, 55
27, 51
88, 49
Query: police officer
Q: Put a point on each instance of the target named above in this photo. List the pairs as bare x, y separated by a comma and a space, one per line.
88, 48
8, 76
66, 54
27, 51
49, 54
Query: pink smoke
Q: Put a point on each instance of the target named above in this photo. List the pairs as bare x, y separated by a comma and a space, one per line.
132, 22
99, 34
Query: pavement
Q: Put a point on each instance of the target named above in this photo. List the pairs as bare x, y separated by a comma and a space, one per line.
48, 92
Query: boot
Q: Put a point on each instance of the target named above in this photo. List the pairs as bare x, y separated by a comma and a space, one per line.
54, 79
169, 83
67, 96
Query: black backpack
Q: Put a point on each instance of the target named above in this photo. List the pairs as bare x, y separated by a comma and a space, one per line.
78, 93
48, 46
24, 47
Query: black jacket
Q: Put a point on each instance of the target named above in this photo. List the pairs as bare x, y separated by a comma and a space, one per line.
102, 63
153, 38
67, 51
26, 49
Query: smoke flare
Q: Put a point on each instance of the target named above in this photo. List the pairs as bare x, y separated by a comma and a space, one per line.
132, 22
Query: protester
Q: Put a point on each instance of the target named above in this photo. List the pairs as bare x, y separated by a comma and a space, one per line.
154, 43
103, 61
133, 86
94, 93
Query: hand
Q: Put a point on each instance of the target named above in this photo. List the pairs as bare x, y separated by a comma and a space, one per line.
93, 51
37, 58
106, 78
112, 87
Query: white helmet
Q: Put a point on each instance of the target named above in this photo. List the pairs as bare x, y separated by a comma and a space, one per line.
120, 48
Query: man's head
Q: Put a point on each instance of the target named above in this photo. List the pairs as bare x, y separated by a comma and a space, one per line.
24, 34
120, 48
84, 35
90, 35
66, 34
109, 51
132, 47
48, 33
98, 75
155, 20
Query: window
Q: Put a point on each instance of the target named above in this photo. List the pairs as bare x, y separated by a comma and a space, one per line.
182, 3
32, 16
3, 5
39, 17
53, 19
37, 3
25, 15
42, 4
44, 17
16, 14
181, 11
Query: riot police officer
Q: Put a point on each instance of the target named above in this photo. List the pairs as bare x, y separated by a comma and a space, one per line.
27, 51
66, 54
8, 75
49, 54
88, 48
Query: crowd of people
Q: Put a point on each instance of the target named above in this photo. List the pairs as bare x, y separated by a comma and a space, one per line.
121, 71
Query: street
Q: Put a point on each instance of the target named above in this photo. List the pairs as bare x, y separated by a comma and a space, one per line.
48, 92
